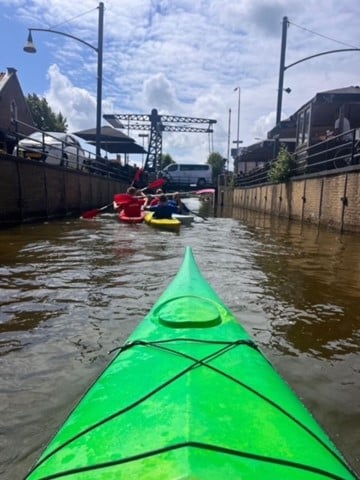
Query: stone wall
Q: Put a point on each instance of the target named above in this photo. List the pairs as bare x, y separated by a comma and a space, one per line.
331, 201
31, 190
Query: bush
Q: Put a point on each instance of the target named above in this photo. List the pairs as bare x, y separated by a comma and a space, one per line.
280, 170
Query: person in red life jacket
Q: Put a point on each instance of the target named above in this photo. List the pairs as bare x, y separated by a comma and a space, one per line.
142, 198
155, 200
163, 209
132, 204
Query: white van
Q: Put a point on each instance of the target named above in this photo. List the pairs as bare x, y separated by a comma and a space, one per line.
55, 148
189, 174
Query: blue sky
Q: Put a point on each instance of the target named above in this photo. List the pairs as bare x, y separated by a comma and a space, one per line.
183, 57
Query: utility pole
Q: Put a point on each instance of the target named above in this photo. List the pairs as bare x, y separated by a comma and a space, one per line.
281, 69
228, 151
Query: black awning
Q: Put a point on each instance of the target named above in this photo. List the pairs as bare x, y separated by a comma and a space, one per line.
106, 134
120, 147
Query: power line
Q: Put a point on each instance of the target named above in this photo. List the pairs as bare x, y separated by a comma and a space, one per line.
323, 36
73, 18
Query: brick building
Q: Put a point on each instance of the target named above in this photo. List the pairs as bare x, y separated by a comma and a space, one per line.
13, 106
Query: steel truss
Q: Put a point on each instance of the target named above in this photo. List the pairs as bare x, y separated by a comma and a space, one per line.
157, 124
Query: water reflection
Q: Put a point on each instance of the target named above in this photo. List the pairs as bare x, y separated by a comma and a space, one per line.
71, 291
311, 287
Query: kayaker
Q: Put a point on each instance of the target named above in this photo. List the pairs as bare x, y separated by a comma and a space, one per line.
133, 203
163, 209
155, 200
183, 209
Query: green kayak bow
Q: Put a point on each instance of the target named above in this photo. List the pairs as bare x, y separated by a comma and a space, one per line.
190, 396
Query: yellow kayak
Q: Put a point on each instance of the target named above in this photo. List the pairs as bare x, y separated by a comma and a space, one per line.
163, 223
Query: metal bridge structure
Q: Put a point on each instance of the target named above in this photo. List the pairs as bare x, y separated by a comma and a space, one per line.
157, 124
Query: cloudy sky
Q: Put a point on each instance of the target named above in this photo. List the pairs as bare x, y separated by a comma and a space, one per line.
183, 57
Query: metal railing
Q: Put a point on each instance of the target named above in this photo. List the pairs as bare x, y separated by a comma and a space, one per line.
68, 156
333, 153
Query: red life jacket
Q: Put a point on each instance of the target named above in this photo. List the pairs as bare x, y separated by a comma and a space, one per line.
133, 208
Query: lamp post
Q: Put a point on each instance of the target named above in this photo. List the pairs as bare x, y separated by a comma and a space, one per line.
30, 48
238, 141
284, 67
228, 148
238, 120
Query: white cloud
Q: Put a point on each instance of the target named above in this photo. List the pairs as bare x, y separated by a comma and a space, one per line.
262, 125
185, 58
76, 104
158, 90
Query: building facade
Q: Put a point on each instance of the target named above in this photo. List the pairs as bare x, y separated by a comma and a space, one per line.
14, 111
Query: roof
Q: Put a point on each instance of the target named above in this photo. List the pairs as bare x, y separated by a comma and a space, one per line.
338, 96
284, 129
5, 76
259, 152
348, 90
13, 105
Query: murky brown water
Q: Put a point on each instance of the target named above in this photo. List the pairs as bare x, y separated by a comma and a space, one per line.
71, 291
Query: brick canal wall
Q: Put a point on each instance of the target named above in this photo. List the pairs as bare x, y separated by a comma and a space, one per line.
31, 190
331, 201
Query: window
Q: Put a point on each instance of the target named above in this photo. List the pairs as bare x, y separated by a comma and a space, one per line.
306, 126
303, 127
189, 167
13, 111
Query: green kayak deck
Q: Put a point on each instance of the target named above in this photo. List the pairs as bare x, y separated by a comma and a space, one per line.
190, 396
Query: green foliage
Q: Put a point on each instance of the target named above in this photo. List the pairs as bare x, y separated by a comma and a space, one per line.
231, 180
166, 159
44, 118
217, 162
281, 168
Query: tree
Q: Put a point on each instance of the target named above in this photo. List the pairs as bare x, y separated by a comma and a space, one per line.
217, 162
280, 170
44, 118
166, 159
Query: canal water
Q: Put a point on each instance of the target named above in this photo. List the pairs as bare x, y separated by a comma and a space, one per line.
72, 290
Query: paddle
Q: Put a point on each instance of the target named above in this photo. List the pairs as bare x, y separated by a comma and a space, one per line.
187, 210
137, 176
197, 215
125, 197
205, 191
122, 198
155, 184
93, 213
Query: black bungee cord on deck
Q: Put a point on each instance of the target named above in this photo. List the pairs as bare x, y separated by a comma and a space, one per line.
226, 346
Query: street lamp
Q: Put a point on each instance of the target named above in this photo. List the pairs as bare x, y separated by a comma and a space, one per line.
228, 148
284, 67
238, 141
238, 119
30, 48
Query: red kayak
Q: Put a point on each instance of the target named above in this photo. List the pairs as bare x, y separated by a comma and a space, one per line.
126, 218
131, 209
